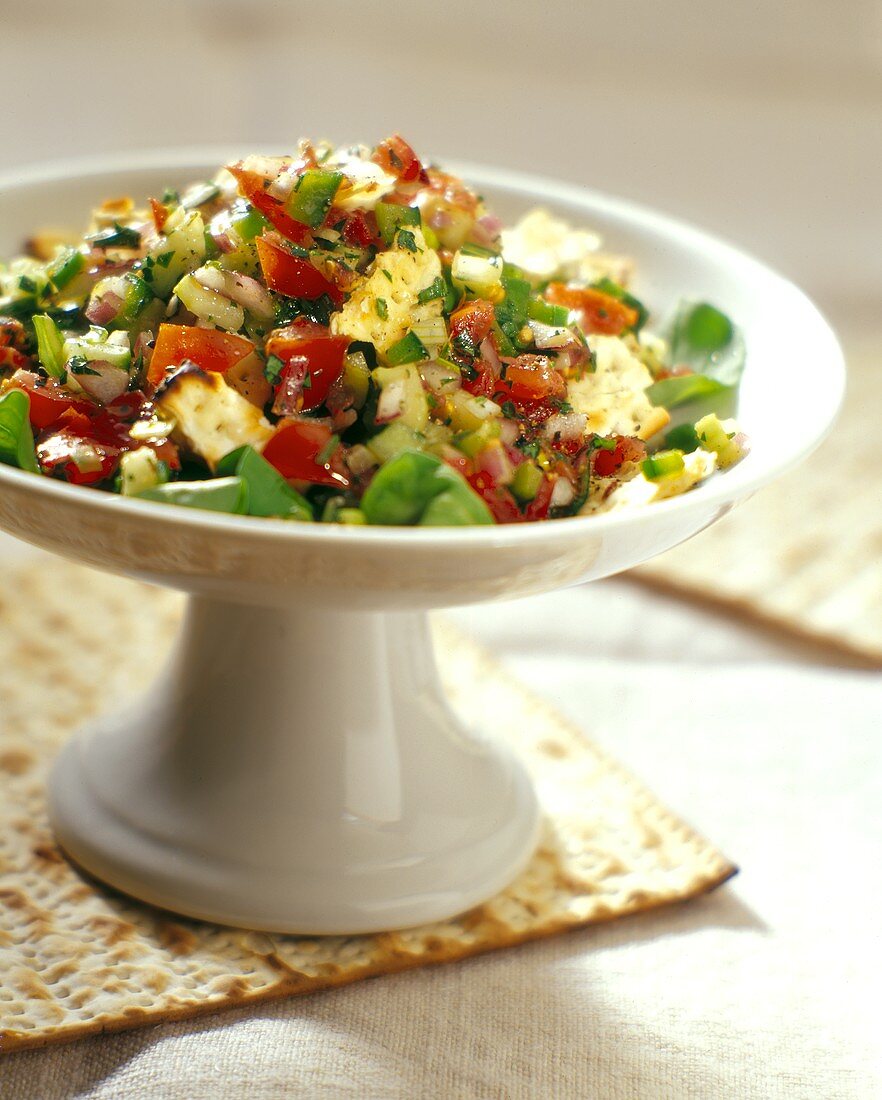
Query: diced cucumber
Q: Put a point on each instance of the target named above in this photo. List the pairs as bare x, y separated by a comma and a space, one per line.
210, 306
478, 275
663, 464
472, 442
139, 471
526, 481
468, 411
357, 377
99, 345
415, 405
182, 251
392, 440
713, 436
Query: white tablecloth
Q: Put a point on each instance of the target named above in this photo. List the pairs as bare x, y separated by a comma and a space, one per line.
768, 988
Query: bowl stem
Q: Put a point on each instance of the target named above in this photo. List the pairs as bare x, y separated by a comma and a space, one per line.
297, 771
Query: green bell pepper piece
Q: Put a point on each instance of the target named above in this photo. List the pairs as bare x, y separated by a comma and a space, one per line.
312, 196
66, 267
268, 492
16, 437
223, 494
391, 216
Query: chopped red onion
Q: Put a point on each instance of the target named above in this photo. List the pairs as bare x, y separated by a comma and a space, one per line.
440, 378
562, 494
391, 403
564, 427
106, 384
291, 386
509, 432
491, 356
494, 461
104, 308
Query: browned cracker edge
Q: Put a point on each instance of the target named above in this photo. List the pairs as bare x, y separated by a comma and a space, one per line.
747, 611
292, 983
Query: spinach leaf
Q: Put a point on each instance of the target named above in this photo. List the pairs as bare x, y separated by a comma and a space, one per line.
16, 437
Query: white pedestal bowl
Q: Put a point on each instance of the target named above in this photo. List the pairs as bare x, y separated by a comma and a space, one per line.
296, 768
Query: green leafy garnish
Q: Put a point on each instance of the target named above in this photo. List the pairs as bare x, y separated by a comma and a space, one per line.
16, 437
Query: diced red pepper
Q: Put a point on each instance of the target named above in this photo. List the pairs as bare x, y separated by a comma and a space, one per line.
598, 312
253, 187
323, 353
208, 348
293, 276
396, 157
540, 504
160, 214
294, 451
360, 229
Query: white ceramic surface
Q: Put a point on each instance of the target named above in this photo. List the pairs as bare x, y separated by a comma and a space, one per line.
297, 768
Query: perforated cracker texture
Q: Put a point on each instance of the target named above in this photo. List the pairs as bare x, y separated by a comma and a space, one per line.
76, 959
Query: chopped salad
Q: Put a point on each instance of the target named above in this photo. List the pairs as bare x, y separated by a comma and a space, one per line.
350, 336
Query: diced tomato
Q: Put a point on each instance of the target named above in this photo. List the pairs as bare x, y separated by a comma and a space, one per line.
253, 187
541, 502
323, 353
457, 460
479, 379
294, 451
160, 214
531, 378
396, 157
12, 357
293, 276
674, 372
471, 324
598, 312
208, 348
105, 432
497, 498
50, 402
605, 463
360, 229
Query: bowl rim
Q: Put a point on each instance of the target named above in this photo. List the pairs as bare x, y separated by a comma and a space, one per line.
718, 492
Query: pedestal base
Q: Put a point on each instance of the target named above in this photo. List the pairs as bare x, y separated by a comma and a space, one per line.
296, 771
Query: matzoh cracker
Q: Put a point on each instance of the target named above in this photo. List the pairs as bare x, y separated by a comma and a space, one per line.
76, 959
806, 552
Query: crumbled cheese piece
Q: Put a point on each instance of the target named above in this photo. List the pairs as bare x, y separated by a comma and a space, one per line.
211, 418
613, 397
396, 277
549, 248
640, 490
365, 184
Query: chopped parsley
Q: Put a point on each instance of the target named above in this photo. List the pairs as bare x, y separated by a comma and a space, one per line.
407, 240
